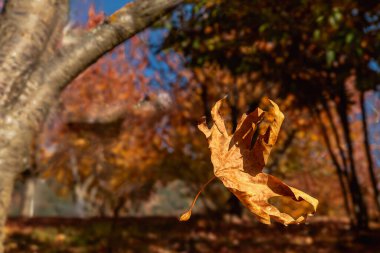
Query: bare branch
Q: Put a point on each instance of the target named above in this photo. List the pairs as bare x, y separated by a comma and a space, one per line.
101, 114
106, 113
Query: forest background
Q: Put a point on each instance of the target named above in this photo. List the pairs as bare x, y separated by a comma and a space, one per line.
123, 141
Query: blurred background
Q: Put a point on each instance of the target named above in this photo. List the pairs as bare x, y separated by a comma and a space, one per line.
120, 157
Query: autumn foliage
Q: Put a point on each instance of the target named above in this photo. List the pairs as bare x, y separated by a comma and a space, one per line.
125, 127
101, 144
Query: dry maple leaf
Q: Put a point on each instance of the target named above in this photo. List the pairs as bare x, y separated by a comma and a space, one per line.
239, 159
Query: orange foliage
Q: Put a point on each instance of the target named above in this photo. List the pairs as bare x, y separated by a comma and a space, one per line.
105, 134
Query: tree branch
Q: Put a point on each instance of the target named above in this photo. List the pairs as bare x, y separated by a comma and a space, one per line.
71, 60
26, 28
123, 24
108, 113
101, 114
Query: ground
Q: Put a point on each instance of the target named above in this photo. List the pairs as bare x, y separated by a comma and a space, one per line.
167, 235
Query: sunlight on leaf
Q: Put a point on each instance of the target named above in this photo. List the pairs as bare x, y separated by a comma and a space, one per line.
239, 159
185, 216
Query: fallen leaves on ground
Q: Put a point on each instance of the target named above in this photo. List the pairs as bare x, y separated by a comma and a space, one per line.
203, 234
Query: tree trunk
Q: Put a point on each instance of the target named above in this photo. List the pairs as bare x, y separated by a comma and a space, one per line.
78, 193
339, 171
35, 67
114, 234
13, 159
28, 198
342, 169
338, 141
6, 187
368, 152
206, 107
360, 208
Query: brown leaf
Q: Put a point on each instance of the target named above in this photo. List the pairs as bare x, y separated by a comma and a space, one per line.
238, 163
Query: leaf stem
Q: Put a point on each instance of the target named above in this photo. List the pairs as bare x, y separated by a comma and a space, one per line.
200, 191
187, 214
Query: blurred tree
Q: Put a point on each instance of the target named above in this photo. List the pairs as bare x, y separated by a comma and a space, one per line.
307, 49
188, 158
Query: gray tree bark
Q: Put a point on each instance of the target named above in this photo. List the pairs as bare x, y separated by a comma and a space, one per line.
35, 67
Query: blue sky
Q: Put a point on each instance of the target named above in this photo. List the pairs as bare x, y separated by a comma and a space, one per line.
109, 6
79, 7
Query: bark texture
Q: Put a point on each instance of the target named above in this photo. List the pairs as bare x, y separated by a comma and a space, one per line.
35, 67
6, 186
